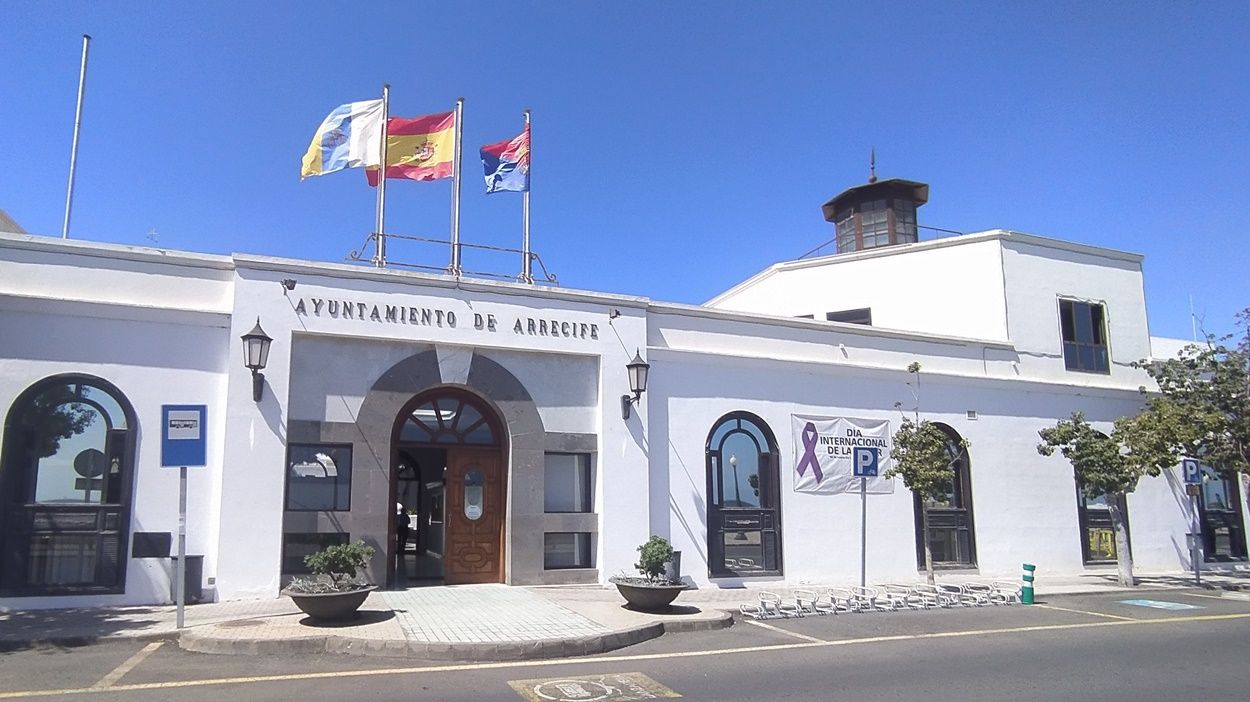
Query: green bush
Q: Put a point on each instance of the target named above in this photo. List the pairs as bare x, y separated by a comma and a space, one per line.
341, 562
652, 556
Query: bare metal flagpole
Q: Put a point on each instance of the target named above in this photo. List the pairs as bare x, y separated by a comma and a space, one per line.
379, 244
73, 154
527, 273
454, 269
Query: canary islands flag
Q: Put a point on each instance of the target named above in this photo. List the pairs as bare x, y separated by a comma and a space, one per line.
350, 137
507, 164
420, 148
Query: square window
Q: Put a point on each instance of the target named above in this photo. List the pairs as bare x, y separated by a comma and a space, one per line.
318, 478
567, 483
566, 550
296, 546
1082, 326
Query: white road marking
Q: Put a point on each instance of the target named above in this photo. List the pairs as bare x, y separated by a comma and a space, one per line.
779, 630
1082, 611
128, 665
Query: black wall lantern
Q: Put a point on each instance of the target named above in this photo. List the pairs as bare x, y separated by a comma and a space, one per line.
255, 356
637, 369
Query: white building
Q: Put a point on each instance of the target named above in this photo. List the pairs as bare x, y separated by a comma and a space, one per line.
493, 412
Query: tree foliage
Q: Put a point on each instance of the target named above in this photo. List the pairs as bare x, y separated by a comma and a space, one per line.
1202, 409
1102, 468
924, 457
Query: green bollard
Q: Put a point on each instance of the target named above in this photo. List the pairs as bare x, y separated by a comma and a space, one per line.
1026, 592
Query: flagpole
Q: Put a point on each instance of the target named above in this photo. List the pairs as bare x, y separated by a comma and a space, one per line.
454, 269
379, 243
527, 273
73, 154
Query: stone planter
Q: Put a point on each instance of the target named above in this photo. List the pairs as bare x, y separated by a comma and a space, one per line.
330, 606
648, 597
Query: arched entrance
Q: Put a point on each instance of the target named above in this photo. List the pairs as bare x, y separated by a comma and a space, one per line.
448, 484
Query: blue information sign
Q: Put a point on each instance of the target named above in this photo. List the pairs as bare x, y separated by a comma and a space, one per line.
184, 439
865, 461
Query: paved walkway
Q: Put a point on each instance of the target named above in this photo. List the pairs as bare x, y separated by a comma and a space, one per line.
474, 622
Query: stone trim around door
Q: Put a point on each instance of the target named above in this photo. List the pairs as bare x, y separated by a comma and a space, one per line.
525, 445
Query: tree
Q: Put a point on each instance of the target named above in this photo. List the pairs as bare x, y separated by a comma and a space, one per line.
1103, 468
924, 457
1202, 409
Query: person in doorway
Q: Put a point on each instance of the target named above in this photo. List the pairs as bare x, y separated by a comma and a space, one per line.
401, 529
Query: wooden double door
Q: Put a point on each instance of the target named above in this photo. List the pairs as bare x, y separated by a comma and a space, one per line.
473, 547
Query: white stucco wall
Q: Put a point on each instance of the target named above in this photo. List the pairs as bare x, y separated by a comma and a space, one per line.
158, 358
947, 286
1024, 504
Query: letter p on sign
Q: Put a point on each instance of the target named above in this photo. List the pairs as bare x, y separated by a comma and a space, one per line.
865, 462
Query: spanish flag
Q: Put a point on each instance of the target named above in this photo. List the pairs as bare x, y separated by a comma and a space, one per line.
420, 148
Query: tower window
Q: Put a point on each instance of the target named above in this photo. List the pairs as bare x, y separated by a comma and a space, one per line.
1083, 325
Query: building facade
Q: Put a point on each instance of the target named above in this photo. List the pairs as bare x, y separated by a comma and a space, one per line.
473, 431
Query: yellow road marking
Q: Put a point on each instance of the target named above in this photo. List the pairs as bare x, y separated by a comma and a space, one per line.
779, 630
1092, 614
416, 670
116, 674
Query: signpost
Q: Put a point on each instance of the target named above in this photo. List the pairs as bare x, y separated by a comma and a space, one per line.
866, 461
1192, 471
184, 443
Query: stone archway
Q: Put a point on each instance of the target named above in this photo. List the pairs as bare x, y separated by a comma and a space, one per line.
523, 439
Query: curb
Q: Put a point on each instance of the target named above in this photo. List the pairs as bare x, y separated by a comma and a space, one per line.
201, 640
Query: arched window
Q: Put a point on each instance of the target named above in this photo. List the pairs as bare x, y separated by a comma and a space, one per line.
448, 419
744, 505
65, 488
951, 535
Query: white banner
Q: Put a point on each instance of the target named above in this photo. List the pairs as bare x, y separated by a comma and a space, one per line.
824, 450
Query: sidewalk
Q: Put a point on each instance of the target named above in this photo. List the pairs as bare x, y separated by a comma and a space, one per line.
468, 622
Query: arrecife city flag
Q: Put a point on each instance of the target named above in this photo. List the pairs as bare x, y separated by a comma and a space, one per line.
349, 137
507, 164
421, 148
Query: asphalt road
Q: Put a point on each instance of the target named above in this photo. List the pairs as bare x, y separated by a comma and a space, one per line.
1072, 648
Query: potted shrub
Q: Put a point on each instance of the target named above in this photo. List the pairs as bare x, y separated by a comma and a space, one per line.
652, 590
336, 589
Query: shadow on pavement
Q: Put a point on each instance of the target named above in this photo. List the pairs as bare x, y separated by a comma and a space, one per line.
68, 628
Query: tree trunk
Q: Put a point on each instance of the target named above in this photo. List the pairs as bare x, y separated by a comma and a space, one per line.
928, 550
1123, 556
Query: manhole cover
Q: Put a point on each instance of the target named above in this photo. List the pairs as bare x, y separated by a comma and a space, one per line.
617, 687
241, 623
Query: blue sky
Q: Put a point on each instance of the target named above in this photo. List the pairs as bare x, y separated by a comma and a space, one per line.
678, 147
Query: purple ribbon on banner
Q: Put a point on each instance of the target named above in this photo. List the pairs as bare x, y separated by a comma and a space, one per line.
809, 453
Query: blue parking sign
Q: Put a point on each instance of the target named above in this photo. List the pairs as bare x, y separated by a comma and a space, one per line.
1192, 471
865, 461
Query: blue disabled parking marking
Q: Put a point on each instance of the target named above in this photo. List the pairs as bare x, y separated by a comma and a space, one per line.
1160, 604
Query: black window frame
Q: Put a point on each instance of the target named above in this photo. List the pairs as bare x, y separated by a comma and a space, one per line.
314, 445
1102, 521
21, 517
1085, 338
861, 315
585, 553
961, 516
765, 519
